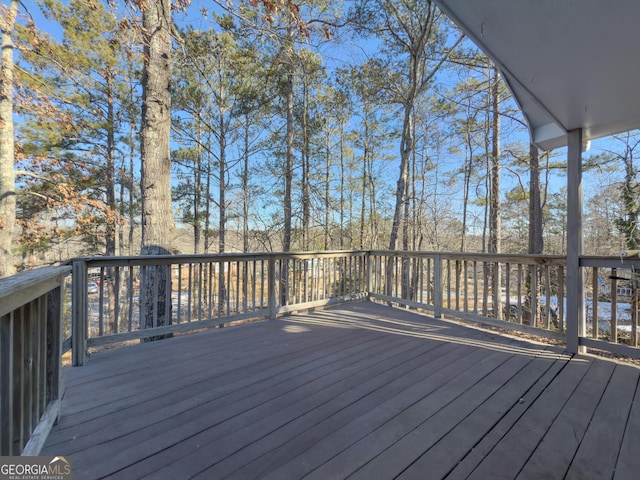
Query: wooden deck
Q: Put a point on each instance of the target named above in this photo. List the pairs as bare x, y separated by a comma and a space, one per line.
359, 391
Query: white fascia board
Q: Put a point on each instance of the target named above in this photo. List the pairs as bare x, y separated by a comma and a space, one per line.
548, 136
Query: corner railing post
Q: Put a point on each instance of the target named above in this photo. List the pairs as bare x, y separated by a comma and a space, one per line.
271, 287
79, 313
437, 286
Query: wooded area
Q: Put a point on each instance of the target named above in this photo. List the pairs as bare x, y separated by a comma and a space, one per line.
265, 126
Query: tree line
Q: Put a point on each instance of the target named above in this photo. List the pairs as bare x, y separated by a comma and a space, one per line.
246, 126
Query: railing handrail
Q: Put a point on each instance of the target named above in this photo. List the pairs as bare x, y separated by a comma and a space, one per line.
609, 261
20, 289
101, 261
527, 258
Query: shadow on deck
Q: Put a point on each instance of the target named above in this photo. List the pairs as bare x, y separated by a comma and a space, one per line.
359, 391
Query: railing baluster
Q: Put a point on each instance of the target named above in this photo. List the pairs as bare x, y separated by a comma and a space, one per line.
547, 281
485, 289
507, 282
533, 314
614, 306
437, 286
594, 302
475, 287
634, 313
561, 298
519, 293
448, 283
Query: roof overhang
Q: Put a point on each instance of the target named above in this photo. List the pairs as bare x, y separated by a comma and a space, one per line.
570, 64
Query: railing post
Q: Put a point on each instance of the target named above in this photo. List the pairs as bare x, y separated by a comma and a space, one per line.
271, 287
437, 286
79, 313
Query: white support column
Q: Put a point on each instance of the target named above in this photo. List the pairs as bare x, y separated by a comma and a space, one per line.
575, 279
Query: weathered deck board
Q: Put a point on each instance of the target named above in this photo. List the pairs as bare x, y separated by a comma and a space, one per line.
628, 464
440, 459
607, 427
357, 391
555, 452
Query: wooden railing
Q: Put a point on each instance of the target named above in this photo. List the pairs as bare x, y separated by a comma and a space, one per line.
31, 330
519, 292
612, 303
118, 299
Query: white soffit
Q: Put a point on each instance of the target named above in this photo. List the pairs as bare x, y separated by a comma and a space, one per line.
569, 63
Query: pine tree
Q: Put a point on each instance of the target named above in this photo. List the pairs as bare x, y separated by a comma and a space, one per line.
7, 175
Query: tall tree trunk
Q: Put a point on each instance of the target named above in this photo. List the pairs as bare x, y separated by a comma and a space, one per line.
327, 190
373, 209
306, 170
288, 173
536, 240
207, 204
245, 187
495, 233
467, 184
222, 208
132, 189
197, 196
157, 213
406, 147
342, 188
222, 172
7, 172
365, 178
110, 181
288, 164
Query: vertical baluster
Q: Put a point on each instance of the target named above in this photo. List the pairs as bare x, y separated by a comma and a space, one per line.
189, 292
634, 308
507, 300
519, 293
449, 283
547, 289
130, 292
561, 298
238, 293
595, 286
614, 306
475, 287
533, 272
485, 288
